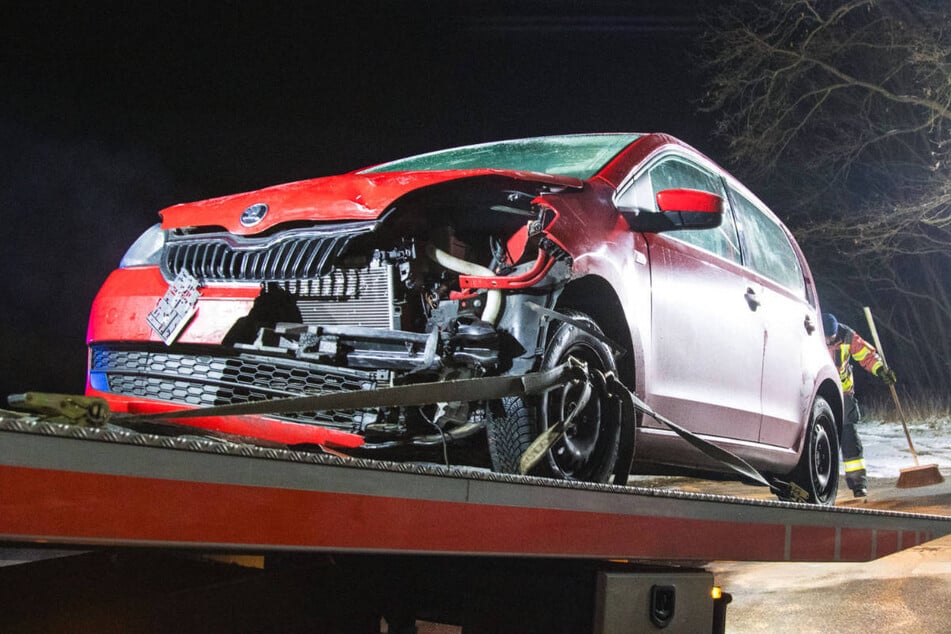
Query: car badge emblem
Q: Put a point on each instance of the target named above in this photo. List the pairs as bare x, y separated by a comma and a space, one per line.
253, 214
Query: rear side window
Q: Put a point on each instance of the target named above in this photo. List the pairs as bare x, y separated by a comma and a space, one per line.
768, 250
676, 173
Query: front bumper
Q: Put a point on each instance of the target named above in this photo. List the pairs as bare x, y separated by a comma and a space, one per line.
136, 372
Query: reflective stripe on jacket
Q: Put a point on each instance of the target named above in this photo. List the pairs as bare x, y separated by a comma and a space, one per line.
847, 346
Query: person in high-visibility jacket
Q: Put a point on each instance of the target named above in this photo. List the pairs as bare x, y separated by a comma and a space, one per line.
844, 346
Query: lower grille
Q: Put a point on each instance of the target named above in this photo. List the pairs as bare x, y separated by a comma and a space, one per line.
203, 379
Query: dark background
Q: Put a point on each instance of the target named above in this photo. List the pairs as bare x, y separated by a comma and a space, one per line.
111, 112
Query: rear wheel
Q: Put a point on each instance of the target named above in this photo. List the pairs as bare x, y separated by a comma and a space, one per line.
818, 469
589, 448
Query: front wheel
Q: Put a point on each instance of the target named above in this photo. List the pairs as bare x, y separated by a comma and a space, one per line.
818, 469
588, 450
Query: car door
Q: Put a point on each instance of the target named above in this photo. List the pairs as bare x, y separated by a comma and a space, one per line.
788, 318
704, 364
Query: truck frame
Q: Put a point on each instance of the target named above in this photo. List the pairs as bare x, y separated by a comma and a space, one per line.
354, 541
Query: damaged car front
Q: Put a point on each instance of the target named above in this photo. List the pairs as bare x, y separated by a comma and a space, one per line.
439, 267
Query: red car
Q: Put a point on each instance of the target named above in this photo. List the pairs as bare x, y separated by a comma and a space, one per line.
631, 252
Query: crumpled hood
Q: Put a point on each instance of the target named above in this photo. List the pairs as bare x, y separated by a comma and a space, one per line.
345, 197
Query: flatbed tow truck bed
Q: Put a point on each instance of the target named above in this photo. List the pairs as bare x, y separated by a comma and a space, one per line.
489, 552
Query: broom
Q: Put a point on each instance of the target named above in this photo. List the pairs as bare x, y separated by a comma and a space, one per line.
919, 475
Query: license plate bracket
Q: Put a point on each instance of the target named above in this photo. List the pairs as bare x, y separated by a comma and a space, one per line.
176, 308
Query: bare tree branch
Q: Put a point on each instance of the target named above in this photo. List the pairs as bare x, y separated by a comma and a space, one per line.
841, 110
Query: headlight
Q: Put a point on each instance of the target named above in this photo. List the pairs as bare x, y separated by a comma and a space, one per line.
146, 250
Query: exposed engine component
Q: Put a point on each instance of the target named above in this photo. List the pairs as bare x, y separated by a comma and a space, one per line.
431, 291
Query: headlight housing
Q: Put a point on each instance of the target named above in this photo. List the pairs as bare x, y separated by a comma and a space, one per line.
146, 250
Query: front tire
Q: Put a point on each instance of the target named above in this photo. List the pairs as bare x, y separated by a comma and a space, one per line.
818, 469
587, 452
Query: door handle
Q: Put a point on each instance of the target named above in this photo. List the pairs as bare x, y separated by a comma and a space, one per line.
809, 325
751, 299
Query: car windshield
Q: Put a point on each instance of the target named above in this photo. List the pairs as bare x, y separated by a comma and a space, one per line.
578, 155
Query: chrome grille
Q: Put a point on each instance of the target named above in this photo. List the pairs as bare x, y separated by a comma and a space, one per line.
204, 379
302, 262
289, 256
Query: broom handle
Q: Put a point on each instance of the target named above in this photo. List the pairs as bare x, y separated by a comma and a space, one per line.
881, 354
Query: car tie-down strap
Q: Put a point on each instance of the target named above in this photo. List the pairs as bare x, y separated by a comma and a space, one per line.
477, 389
784, 490
610, 386
488, 389
630, 403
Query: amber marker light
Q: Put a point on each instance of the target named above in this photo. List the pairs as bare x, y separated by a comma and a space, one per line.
716, 592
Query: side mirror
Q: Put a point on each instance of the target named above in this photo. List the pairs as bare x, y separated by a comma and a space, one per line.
678, 209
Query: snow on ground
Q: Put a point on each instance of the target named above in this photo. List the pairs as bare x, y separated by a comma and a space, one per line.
886, 449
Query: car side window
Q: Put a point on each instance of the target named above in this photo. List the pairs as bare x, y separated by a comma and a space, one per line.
769, 252
676, 173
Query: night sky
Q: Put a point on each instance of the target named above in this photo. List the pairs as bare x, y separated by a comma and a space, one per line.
111, 112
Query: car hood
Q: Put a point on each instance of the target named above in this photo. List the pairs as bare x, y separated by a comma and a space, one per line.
345, 197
